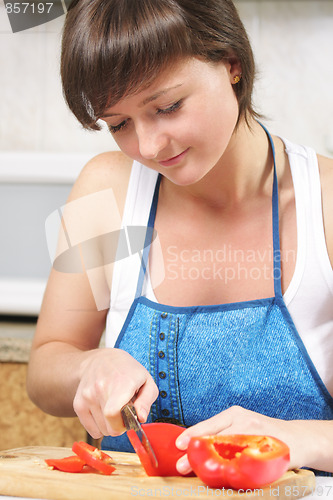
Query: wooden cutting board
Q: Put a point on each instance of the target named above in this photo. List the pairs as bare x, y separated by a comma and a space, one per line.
24, 473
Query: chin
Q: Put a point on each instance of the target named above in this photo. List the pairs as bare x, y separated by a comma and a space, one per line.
184, 177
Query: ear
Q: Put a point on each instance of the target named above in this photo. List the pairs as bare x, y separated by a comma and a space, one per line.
234, 68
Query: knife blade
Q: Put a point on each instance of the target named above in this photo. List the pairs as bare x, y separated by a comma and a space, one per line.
131, 421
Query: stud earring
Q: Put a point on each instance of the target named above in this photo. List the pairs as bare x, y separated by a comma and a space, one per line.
236, 79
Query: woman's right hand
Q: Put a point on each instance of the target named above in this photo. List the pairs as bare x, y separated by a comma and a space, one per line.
110, 378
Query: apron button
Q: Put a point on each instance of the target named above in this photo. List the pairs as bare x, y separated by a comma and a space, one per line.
162, 375
162, 335
163, 394
165, 413
164, 315
161, 355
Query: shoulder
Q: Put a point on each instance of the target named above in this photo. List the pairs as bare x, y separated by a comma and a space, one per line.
326, 178
92, 216
106, 171
95, 205
325, 165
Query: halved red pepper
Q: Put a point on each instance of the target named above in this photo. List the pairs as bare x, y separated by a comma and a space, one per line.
238, 461
67, 464
162, 437
94, 457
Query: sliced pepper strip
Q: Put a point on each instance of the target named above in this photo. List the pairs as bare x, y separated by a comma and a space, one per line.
238, 461
67, 464
94, 457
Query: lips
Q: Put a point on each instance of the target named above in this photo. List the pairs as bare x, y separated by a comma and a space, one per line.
174, 159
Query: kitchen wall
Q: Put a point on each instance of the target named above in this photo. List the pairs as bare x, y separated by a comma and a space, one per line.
292, 41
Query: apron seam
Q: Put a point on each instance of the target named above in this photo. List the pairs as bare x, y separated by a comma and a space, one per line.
152, 362
179, 405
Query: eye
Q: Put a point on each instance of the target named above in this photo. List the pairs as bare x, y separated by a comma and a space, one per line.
115, 128
171, 109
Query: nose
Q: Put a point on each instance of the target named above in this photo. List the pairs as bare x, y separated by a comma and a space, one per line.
151, 140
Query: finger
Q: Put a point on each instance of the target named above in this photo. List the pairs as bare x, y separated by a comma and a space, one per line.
114, 422
213, 425
88, 406
87, 410
95, 431
145, 397
100, 420
99, 409
112, 415
183, 465
88, 422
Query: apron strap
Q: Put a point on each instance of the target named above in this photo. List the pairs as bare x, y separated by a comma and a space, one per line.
275, 224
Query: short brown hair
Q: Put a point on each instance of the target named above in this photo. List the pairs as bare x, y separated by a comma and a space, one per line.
112, 48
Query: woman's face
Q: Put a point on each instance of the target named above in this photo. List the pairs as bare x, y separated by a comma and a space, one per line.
181, 125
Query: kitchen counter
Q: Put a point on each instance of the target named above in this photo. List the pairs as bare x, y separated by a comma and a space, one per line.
21, 422
15, 340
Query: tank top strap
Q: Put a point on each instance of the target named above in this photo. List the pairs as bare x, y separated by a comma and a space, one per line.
148, 239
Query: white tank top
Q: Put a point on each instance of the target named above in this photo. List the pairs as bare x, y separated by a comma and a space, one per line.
309, 296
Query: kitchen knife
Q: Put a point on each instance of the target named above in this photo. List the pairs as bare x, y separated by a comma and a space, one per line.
131, 421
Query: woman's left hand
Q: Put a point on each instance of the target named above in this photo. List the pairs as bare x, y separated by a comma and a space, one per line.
237, 420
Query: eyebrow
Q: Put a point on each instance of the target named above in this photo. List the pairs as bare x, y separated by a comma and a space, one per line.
147, 99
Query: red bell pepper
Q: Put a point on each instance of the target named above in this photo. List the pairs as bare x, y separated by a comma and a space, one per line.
94, 457
238, 461
68, 464
162, 437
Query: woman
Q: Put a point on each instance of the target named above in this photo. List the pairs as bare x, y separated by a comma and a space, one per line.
235, 336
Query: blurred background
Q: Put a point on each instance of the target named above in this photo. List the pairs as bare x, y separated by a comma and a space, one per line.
43, 148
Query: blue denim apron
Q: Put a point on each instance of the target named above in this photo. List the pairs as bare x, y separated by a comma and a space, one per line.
205, 359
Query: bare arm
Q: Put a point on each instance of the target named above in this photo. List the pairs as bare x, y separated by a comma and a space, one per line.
68, 373
68, 329
308, 440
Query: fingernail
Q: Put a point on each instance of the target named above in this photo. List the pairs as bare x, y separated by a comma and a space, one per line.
142, 415
182, 442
